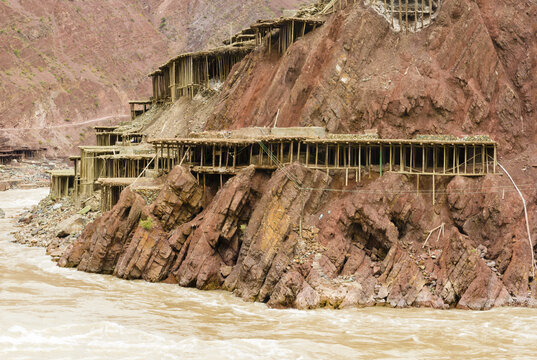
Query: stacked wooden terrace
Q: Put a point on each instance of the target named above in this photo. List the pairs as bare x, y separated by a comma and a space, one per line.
407, 15
8, 154
283, 31
187, 74
111, 189
243, 36
139, 107
92, 167
62, 183
110, 136
124, 165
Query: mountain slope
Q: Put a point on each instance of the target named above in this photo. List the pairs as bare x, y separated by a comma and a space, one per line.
66, 62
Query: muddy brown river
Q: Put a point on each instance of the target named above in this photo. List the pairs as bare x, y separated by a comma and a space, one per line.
51, 313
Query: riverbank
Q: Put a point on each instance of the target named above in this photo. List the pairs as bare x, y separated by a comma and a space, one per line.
50, 312
28, 174
54, 225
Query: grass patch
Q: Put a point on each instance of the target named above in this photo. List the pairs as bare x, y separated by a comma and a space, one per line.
147, 224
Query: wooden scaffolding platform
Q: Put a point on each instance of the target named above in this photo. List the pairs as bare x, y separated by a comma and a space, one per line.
111, 189
92, 167
187, 73
407, 15
62, 183
118, 138
139, 107
283, 32
343, 155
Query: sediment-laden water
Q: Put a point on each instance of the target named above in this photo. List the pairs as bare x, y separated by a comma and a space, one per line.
48, 312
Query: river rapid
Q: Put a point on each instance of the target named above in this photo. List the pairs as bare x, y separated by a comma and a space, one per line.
47, 312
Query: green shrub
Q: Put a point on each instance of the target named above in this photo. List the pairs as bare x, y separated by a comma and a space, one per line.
147, 224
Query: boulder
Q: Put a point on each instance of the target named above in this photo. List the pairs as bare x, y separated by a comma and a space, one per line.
4, 185
72, 225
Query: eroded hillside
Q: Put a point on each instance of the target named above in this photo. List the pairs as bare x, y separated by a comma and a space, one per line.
68, 62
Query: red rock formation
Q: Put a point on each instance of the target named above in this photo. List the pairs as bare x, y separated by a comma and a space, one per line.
472, 71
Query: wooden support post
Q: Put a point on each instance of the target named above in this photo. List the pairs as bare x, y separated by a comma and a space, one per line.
473, 159
391, 146
455, 160
434, 159
269, 41
465, 159
156, 157
400, 16
411, 156
393, 24
401, 165
370, 146
423, 150
291, 153
416, 15
234, 156
434, 190
337, 157
483, 159
169, 158
380, 159
344, 156
349, 156
445, 159
326, 161
307, 155
359, 163
316, 155
214, 156
172, 82
495, 158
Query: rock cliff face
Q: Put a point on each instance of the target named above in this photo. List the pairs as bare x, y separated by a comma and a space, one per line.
296, 239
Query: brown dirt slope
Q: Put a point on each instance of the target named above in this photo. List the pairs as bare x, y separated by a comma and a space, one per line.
66, 62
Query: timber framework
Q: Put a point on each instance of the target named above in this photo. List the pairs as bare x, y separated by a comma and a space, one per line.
347, 153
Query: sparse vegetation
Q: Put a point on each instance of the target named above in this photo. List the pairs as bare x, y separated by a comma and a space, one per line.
17, 53
147, 224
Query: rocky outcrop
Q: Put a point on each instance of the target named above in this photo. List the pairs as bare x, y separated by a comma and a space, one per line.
119, 243
294, 242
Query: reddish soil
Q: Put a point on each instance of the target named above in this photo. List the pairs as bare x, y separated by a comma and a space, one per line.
67, 62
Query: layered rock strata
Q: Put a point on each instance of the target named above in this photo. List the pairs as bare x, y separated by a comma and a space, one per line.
296, 241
